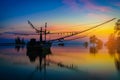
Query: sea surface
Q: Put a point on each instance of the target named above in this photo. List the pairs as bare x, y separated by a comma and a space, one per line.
61, 63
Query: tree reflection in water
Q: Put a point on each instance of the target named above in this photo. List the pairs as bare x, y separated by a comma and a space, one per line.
113, 47
95, 44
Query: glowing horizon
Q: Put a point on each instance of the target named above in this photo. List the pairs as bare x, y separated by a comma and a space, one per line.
61, 15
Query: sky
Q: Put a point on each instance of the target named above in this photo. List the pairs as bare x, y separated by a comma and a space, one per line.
61, 15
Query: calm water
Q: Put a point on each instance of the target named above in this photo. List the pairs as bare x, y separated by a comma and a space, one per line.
63, 63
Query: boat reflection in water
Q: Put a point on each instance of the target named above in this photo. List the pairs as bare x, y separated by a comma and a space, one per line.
35, 50
42, 54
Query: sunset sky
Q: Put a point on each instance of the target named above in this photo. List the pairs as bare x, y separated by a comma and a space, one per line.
61, 15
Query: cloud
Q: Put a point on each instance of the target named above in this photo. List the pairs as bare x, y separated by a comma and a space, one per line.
117, 4
72, 4
89, 4
86, 5
98, 16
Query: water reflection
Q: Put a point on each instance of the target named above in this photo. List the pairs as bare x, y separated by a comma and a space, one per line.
19, 44
85, 44
62, 63
117, 57
95, 44
117, 62
39, 52
19, 47
114, 50
93, 50
42, 54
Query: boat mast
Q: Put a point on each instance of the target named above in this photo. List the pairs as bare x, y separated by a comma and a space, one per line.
45, 30
41, 34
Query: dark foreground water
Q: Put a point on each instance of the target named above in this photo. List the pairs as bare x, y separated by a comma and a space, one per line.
63, 63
